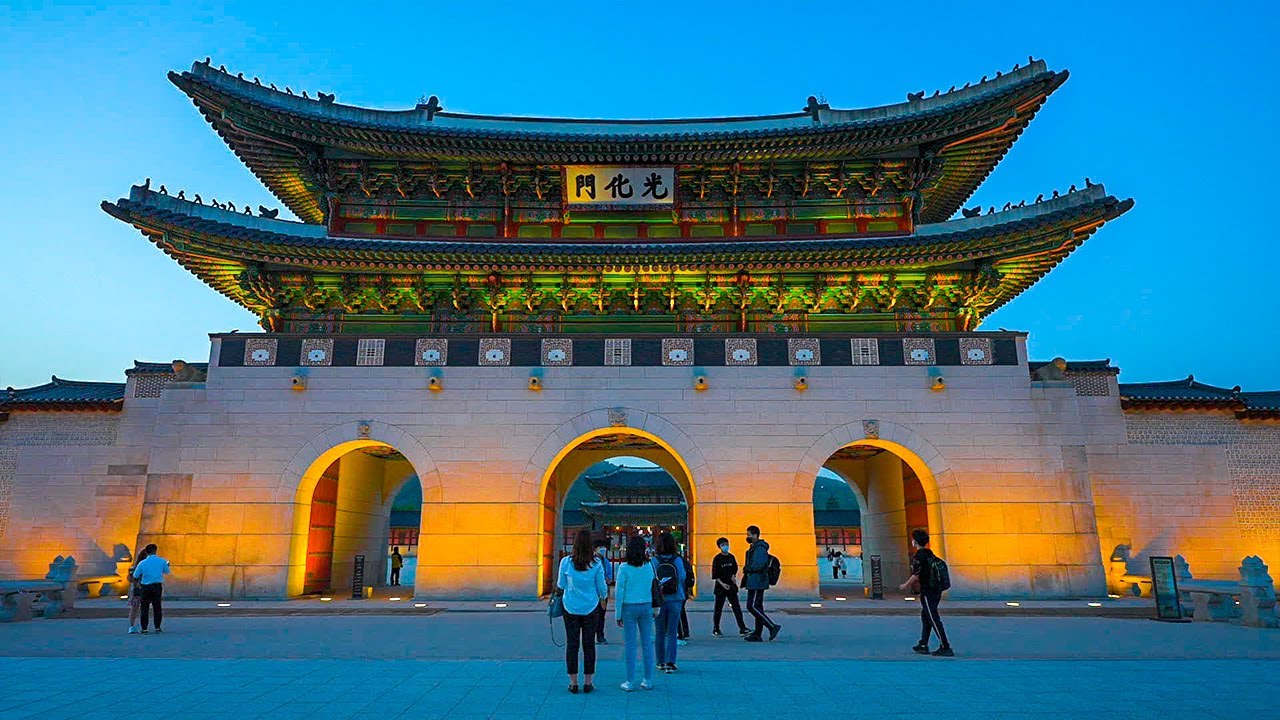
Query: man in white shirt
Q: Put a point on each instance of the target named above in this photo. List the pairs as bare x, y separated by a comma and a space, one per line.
150, 573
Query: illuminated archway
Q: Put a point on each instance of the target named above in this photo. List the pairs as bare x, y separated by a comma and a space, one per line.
309, 466
583, 451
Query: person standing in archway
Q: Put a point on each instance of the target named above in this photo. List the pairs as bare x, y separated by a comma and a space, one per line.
635, 607
397, 562
724, 571
581, 583
755, 578
668, 568
929, 578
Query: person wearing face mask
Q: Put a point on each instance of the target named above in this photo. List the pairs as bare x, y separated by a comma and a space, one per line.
755, 578
602, 551
724, 572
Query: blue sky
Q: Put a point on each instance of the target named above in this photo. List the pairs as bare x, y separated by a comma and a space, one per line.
1172, 104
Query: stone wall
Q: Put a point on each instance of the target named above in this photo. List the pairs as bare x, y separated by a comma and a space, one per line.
70, 484
1202, 485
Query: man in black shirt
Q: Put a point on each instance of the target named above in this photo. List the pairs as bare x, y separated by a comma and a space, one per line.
724, 571
923, 583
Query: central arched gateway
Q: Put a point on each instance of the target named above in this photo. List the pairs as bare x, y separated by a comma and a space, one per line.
585, 450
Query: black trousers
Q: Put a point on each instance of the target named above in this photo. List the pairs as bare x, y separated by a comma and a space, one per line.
930, 621
580, 631
723, 596
755, 606
395, 576
600, 616
682, 629
151, 595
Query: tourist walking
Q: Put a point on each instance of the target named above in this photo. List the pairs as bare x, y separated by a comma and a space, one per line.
150, 573
635, 607
669, 571
397, 562
682, 633
929, 578
582, 588
755, 578
135, 593
602, 550
724, 573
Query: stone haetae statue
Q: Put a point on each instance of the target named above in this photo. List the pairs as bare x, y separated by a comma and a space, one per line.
182, 372
1054, 371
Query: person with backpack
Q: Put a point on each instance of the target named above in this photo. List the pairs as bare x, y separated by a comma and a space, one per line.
724, 572
582, 588
759, 571
635, 606
668, 569
682, 634
929, 579
602, 550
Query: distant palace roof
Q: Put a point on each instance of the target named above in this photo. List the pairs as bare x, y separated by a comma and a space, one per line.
1191, 395
281, 135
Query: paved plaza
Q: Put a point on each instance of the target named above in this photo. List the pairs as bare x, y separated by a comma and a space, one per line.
503, 665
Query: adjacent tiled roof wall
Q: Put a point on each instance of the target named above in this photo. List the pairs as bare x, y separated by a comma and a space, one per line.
60, 394
149, 379
1252, 452
1092, 378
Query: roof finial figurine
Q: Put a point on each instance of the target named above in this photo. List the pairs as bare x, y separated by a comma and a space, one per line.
1008, 206
288, 89
164, 190
247, 211
1088, 183
273, 87
325, 98
1055, 194
1040, 198
264, 212
182, 194
1031, 59
304, 94
991, 210
1016, 66
198, 200
208, 60
146, 184
953, 89
1022, 204
936, 93
432, 106
239, 76
998, 73
1071, 189
966, 86
256, 81
813, 105
972, 212
916, 96
984, 79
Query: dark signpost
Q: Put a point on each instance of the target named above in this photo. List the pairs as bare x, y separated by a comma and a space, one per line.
877, 579
357, 579
1164, 588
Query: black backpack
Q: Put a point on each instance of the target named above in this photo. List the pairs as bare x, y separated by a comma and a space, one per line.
667, 575
773, 570
941, 576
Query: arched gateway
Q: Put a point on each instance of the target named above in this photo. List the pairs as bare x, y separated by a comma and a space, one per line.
487, 303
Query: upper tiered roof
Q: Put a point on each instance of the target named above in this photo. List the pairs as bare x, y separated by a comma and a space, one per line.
285, 138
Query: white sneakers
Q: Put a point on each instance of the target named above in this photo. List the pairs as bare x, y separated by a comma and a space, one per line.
628, 687
133, 629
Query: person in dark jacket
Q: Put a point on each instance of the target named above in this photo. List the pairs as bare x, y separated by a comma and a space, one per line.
682, 632
923, 584
755, 578
724, 572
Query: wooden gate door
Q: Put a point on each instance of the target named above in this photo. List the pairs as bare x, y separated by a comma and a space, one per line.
324, 513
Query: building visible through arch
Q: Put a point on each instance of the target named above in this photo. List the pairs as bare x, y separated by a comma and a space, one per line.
505, 301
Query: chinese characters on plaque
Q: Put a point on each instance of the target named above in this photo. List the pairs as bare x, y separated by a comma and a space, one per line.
617, 185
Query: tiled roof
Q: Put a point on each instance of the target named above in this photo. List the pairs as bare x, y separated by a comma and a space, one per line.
837, 518
59, 394
218, 245
605, 476
1189, 394
1079, 366
637, 513
277, 134
155, 368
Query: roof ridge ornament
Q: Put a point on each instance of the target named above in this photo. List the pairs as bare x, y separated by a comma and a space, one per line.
814, 105
431, 105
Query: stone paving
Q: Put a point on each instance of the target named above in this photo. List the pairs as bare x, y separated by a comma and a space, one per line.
502, 665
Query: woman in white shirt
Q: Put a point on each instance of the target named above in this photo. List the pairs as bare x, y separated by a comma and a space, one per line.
633, 606
582, 587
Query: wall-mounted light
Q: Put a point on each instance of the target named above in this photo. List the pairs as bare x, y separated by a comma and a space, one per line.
434, 384
299, 381
700, 383
801, 383
937, 383
535, 383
